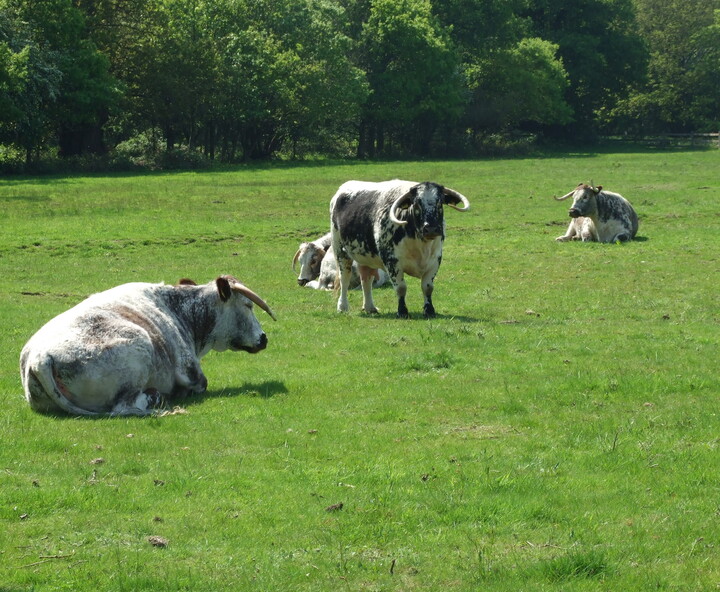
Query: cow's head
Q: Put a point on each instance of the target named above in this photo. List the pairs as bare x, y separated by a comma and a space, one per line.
236, 326
423, 205
310, 256
584, 202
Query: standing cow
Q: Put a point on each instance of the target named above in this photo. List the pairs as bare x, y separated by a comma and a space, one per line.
599, 215
396, 225
125, 350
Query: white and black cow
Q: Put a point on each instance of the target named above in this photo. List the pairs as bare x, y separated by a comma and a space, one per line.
599, 216
310, 256
397, 226
128, 349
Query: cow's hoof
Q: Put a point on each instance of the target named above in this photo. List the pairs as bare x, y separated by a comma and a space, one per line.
403, 314
154, 398
372, 311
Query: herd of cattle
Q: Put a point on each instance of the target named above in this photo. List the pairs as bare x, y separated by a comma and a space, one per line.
131, 349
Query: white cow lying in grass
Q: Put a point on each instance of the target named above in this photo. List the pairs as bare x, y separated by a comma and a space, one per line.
599, 215
128, 349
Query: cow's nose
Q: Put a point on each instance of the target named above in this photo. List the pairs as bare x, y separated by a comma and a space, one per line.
263, 342
574, 213
430, 231
302, 282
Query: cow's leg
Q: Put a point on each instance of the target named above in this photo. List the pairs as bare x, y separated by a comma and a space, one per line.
589, 232
569, 233
189, 380
622, 237
427, 289
367, 276
345, 269
401, 290
397, 279
142, 403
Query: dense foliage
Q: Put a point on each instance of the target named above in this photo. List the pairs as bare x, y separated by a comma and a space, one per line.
248, 79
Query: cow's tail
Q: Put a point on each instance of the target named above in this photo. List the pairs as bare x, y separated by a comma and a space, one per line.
42, 390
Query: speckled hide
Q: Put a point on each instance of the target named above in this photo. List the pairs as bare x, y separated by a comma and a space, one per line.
127, 350
398, 226
599, 215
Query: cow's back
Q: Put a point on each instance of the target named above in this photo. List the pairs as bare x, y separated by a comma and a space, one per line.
615, 211
359, 213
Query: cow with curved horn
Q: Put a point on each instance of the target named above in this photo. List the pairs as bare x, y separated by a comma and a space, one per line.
127, 350
599, 215
310, 257
398, 226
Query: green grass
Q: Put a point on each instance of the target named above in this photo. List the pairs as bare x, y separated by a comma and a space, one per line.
555, 428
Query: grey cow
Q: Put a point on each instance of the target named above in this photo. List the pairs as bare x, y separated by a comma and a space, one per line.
125, 350
599, 215
398, 226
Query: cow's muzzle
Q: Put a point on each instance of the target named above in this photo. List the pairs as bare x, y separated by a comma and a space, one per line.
252, 349
574, 213
430, 232
302, 281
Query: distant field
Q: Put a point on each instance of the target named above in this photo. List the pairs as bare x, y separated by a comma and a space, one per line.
555, 428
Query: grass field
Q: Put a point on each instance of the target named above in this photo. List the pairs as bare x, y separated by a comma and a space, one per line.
554, 428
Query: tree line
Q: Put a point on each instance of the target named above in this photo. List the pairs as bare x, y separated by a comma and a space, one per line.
251, 79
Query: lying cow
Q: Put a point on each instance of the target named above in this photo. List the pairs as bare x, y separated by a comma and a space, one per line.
124, 351
397, 226
318, 266
599, 216
329, 276
310, 256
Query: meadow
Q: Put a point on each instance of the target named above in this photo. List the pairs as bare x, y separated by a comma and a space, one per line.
554, 428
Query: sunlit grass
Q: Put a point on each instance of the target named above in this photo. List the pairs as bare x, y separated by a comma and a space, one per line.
555, 428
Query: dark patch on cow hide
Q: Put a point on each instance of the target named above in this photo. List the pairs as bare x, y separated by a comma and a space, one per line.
351, 217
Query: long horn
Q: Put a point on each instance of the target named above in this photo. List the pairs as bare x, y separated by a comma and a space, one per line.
461, 197
395, 205
248, 293
564, 196
297, 256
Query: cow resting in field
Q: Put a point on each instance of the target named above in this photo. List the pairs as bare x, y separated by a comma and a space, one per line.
310, 257
398, 226
319, 270
128, 349
599, 215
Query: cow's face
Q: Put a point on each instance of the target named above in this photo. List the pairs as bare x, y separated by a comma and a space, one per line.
309, 257
236, 326
424, 208
584, 202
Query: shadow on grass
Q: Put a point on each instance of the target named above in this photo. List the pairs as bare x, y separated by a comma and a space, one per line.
418, 316
261, 390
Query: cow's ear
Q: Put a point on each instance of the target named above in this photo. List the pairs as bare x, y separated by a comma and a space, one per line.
451, 198
224, 288
186, 282
598, 189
